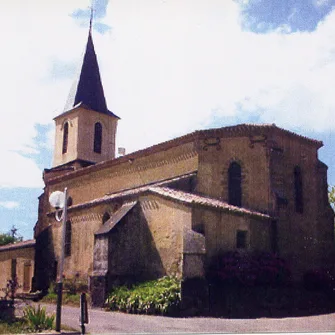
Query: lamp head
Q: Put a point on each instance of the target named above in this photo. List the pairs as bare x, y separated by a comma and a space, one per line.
57, 199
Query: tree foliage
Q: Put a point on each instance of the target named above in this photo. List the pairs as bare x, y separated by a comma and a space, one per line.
10, 237
331, 196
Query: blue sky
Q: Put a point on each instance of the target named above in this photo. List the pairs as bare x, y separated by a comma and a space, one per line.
169, 66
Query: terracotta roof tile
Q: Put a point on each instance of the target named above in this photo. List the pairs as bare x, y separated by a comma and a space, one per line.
18, 245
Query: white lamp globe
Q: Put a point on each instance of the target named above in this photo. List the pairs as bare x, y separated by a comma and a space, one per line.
57, 199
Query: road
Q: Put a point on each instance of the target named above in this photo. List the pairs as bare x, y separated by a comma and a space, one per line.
102, 322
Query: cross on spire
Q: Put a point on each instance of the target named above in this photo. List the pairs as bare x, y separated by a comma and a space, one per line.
91, 16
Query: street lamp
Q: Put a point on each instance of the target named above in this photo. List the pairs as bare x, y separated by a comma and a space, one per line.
58, 200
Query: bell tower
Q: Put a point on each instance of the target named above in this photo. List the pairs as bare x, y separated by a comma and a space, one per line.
86, 130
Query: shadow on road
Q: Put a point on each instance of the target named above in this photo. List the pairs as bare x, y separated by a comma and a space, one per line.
269, 302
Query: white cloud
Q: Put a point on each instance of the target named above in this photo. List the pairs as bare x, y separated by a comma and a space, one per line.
168, 68
321, 3
9, 204
33, 33
19, 171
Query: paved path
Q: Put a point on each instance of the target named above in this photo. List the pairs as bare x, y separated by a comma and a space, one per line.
118, 323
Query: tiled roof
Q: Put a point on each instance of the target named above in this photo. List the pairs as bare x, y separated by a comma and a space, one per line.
191, 198
18, 245
130, 192
177, 195
244, 129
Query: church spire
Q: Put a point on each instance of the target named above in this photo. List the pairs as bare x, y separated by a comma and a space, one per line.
87, 88
86, 130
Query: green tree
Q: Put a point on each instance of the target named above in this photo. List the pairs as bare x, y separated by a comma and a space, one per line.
331, 196
10, 237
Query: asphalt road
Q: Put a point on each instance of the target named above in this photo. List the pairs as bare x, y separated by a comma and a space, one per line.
101, 322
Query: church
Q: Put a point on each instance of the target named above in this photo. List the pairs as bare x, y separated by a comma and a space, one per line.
169, 209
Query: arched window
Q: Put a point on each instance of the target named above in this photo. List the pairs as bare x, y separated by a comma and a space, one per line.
97, 137
68, 238
65, 137
235, 184
299, 203
105, 217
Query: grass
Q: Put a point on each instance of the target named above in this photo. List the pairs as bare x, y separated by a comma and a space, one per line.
71, 293
15, 327
67, 299
18, 326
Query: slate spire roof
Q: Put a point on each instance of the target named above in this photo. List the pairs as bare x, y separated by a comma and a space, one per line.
87, 88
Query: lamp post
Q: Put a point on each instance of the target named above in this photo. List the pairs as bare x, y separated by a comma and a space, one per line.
58, 200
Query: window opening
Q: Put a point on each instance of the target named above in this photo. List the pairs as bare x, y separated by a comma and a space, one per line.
299, 204
68, 238
13, 268
241, 239
65, 137
235, 184
105, 218
97, 137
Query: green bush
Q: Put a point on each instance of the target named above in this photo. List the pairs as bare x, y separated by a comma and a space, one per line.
37, 319
160, 296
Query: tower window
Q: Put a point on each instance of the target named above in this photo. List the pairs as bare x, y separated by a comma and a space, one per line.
68, 238
65, 137
97, 137
235, 184
299, 203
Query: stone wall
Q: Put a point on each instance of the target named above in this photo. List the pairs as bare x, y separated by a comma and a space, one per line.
113, 177
299, 238
84, 223
220, 230
214, 162
167, 221
81, 136
24, 258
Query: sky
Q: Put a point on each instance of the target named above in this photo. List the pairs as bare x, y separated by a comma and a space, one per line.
168, 67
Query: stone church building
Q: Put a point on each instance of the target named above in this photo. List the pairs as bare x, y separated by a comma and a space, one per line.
171, 208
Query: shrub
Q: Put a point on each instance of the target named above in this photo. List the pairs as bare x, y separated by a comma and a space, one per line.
249, 269
36, 319
160, 296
